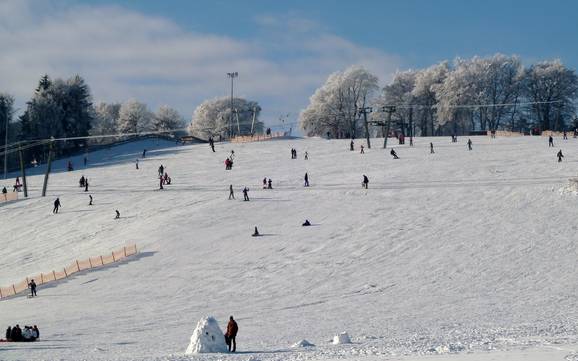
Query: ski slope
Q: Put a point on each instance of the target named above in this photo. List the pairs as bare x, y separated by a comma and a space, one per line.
461, 252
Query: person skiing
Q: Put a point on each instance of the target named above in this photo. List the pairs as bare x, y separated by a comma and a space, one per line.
306, 223
32, 286
306, 178
231, 193
560, 155
161, 170
565, 136
256, 232
57, 205
144, 153
136, 163
90, 203
351, 145
232, 329
265, 183
550, 141
431, 149
269, 184
161, 181
8, 333
469, 144
212, 143
86, 185
4, 191
117, 214
246, 194
81, 181
362, 151
306, 155
365, 182
394, 154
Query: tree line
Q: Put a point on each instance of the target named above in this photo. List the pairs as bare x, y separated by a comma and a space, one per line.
477, 94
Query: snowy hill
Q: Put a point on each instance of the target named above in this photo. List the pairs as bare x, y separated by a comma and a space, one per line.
455, 251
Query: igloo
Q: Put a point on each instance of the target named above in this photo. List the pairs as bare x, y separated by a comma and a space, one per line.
207, 338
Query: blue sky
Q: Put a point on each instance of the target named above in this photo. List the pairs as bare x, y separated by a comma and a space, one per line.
178, 52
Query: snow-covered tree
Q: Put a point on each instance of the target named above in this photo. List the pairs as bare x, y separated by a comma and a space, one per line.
105, 119
424, 93
335, 106
213, 117
167, 118
554, 87
134, 117
399, 93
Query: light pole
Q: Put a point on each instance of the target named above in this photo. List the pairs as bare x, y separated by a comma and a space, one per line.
232, 75
364, 111
389, 109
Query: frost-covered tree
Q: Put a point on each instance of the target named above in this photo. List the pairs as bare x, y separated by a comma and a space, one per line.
6, 112
105, 119
134, 117
167, 118
399, 93
424, 93
212, 117
335, 106
554, 88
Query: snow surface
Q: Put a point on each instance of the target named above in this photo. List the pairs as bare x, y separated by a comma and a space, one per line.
207, 338
467, 254
341, 338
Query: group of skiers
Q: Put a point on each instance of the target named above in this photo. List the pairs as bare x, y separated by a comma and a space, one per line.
16, 334
293, 153
83, 182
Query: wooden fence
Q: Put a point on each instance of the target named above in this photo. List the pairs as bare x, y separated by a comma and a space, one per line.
256, 137
505, 133
8, 197
76, 266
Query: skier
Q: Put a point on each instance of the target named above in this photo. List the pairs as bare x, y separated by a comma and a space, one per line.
232, 330
161, 181
351, 145
306, 178
161, 170
136, 163
306, 223
4, 191
81, 181
431, 149
362, 151
560, 155
306, 155
8, 333
265, 183
256, 232
90, 203
365, 182
144, 153
269, 186
231, 193
565, 136
246, 194
57, 205
86, 185
550, 141
117, 214
212, 143
469, 144
394, 154
32, 286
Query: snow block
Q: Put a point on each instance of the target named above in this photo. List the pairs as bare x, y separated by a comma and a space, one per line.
342, 338
207, 338
302, 343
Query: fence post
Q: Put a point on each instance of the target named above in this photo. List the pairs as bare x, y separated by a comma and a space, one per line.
0, 292
41, 278
101, 261
89, 262
77, 266
54, 274
124, 248
65, 274
14, 288
113, 257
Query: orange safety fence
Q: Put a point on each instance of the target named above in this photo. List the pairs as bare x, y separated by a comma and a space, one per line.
76, 266
8, 197
547, 133
505, 133
256, 137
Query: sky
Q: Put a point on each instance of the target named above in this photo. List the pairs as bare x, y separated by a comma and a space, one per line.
177, 52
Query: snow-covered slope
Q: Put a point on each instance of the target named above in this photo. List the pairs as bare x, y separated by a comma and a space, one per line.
449, 252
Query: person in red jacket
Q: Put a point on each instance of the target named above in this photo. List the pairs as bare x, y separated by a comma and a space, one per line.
232, 330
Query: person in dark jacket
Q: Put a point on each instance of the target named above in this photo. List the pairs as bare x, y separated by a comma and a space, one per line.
431, 149
8, 333
393, 154
37, 331
117, 214
306, 223
231, 193
469, 144
550, 142
365, 182
57, 206
269, 184
32, 286
306, 178
231, 334
246, 194
560, 155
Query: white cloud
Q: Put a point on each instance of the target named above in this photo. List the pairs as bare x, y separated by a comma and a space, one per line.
125, 54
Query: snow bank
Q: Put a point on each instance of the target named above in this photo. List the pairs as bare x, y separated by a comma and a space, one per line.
207, 338
342, 338
302, 343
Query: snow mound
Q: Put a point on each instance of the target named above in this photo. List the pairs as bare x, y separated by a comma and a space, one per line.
342, 338
302, 343
207, 338
571, 187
